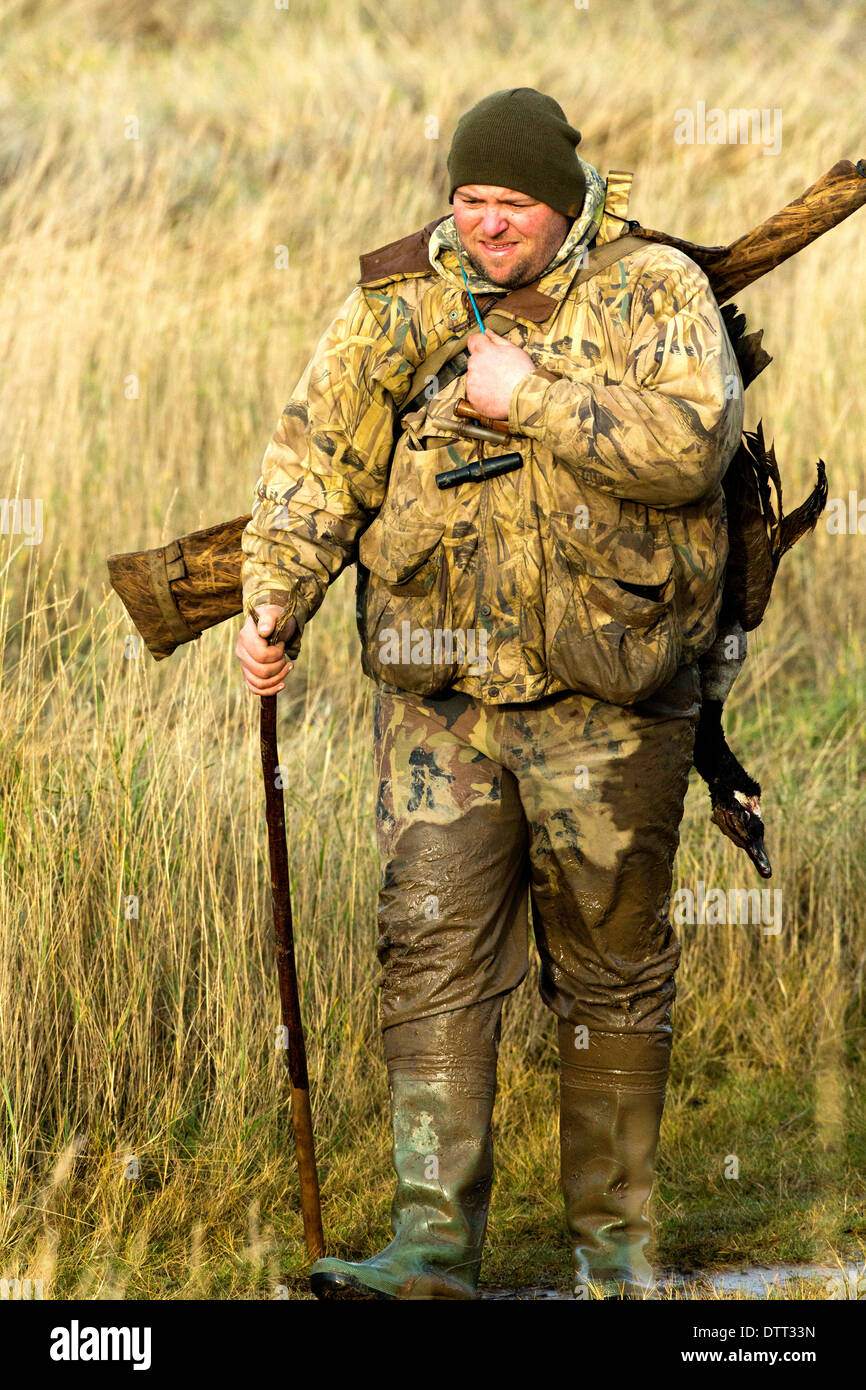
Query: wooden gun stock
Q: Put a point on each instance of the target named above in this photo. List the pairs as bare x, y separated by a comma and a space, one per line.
825, 204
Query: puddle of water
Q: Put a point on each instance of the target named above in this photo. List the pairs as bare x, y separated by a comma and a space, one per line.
847, 1281
843, 1282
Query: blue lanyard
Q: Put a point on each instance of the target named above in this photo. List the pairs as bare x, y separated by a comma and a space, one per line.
469, 292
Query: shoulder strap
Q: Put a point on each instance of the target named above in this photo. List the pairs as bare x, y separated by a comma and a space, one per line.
452, 353
600, 257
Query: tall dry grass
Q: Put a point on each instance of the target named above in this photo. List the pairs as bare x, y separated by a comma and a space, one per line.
148, 344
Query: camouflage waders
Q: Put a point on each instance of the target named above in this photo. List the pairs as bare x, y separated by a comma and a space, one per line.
576, 804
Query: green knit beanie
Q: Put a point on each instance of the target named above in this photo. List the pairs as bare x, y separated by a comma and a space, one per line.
519, 138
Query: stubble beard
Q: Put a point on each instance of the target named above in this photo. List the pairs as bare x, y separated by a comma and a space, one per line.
519, 275
527, 269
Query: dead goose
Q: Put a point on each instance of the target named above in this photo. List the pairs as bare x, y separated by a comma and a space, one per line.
759, 535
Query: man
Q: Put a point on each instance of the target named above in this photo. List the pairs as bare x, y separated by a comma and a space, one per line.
533, 636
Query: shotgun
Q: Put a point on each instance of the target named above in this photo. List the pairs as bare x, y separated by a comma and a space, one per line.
176, 592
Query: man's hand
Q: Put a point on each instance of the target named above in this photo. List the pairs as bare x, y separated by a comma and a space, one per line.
264, 666
495, 367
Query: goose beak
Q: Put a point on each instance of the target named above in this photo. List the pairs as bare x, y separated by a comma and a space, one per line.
758, 855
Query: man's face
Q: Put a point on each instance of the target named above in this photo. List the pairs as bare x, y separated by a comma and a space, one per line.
507, 236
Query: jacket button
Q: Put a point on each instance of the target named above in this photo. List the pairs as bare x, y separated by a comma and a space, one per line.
493, 690
485, 610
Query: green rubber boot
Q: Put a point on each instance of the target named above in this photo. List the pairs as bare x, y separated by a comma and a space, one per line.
442, 1074
612, 1094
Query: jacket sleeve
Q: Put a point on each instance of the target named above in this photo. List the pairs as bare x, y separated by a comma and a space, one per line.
324, 472
665, 433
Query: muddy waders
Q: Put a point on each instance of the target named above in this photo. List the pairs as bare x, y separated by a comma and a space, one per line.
612, 1091
442, 1076
577, 803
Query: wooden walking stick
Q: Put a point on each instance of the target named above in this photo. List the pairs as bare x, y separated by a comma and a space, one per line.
296, 1052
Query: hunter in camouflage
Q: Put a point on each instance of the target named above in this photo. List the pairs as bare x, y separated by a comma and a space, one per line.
624, 454
534, 640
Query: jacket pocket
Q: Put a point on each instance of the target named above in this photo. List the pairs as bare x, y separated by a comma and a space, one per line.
407, 606
612, 627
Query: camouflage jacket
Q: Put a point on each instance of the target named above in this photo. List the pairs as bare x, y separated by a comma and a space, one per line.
598, 565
